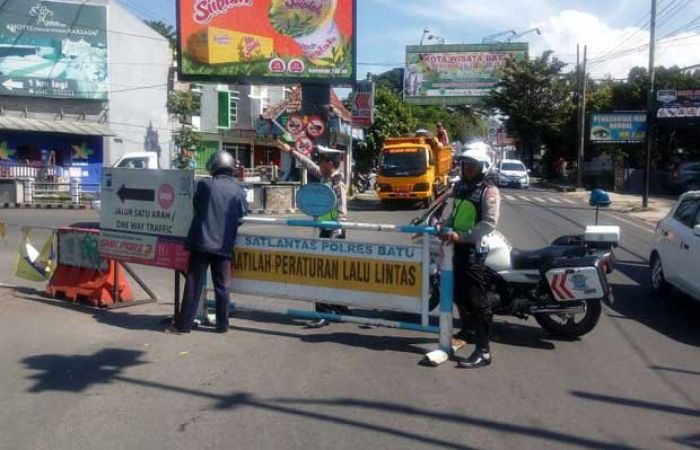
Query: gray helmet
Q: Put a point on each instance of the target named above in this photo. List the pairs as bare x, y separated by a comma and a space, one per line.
221, 161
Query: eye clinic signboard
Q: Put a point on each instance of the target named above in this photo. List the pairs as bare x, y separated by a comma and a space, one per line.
267, 40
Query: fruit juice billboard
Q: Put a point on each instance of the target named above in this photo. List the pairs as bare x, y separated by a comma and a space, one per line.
269, 41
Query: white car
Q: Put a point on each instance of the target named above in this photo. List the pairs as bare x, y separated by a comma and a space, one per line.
512, 172
675, 256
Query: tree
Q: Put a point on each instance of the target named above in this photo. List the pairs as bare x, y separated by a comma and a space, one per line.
184, 105
165, 30
537, 100
392, 117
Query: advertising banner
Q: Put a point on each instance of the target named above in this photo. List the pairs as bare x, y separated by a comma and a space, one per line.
53, 49
456, 74
267, 40
145, 216
678, 104
363, 104
628, 126
318, 269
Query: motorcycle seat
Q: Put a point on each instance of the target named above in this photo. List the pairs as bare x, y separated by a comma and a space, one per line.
534, 259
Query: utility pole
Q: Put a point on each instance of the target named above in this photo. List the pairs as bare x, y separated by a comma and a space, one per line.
582, 119
578, 95
650, 106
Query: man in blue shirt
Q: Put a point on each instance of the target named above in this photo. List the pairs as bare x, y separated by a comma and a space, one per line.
219, 207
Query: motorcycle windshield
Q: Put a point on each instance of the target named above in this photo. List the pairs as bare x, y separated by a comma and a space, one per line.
404, 163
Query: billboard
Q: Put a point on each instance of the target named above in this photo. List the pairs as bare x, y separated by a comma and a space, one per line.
678, 104
456, 74
53, 49
629, 126
363, 104
272, 41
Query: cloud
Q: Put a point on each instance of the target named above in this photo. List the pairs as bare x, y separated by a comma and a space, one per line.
611, 51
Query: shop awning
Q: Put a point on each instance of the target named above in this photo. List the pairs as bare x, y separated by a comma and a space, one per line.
54, 126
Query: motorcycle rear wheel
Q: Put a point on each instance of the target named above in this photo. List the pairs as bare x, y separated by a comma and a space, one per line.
361, 188
572, 325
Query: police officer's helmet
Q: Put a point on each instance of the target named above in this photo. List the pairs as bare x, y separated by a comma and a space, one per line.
476, 158
322, 153
221, 163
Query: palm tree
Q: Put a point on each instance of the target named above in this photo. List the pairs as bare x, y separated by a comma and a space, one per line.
165, 30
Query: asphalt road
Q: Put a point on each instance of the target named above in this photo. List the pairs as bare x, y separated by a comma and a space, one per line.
85, 379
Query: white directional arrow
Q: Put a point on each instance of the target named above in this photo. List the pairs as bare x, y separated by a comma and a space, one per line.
9, 84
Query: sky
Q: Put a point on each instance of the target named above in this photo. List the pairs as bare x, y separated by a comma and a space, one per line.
615, 31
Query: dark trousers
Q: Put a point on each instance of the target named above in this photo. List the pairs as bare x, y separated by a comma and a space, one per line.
325, 307
471, 296
194, 286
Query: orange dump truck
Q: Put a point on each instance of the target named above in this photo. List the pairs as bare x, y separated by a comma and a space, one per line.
413, 169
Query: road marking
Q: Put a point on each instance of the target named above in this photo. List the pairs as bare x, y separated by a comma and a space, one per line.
566, 200
510, 198
553, 200
634, 224
541, 200
523, 198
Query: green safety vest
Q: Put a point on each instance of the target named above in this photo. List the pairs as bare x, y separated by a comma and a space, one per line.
467, 211
333, 215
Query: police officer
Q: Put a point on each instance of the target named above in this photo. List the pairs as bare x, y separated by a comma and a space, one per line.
219, 205
327, 170
475, 214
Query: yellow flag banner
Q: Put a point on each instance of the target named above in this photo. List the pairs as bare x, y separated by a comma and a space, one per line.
35, 265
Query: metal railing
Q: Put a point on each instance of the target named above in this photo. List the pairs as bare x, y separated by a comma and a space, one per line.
45, 192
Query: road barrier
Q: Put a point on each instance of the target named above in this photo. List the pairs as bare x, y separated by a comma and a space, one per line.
356, 274
74, 268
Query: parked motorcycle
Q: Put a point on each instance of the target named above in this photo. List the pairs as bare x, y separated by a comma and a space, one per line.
561, 286
365, 183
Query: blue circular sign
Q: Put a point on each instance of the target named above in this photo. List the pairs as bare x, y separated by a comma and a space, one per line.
316, 199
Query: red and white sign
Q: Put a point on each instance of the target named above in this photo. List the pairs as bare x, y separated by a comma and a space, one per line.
316, 127
145, 250
363, 104
305, 145
295, 124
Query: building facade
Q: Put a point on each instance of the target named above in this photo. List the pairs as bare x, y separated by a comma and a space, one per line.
81, 84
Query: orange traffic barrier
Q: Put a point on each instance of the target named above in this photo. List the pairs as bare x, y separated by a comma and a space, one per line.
77, 277
91, 286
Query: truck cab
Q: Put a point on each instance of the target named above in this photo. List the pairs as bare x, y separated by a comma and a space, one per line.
413, 169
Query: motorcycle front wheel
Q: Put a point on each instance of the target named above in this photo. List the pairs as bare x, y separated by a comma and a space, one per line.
572, 325
361, 188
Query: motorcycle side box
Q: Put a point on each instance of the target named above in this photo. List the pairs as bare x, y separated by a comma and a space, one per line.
576, 278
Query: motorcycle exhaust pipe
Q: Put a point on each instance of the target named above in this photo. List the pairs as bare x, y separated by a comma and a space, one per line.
563, 310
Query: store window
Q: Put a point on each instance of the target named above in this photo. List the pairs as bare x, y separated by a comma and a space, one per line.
241, 152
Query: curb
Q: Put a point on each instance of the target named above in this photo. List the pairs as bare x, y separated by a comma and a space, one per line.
268, 212
42, 206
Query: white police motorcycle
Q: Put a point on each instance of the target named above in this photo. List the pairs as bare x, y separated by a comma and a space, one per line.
561, 286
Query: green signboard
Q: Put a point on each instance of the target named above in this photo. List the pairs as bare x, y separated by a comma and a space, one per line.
53, 49
456, 74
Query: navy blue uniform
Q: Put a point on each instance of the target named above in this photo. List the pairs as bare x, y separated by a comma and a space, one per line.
219, 207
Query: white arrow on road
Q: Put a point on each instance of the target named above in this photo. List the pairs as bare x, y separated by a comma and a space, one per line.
9, 84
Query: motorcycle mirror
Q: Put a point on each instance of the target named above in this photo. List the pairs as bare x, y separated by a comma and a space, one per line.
599, 198
696, 230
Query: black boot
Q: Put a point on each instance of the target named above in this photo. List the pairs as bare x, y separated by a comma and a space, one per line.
479, 358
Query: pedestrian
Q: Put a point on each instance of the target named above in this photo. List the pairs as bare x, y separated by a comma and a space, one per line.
475, 214
442, 134
327, 170
219, 206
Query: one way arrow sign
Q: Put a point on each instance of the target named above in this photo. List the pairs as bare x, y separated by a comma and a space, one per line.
141, 195
10, 84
